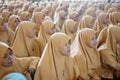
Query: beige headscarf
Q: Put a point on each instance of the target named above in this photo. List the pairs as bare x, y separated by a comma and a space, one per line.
36, 18
90, 11
60, 21
114, 17
6, 14
23, 44
108, 6
85, 21
53, 63
72, 15
30, 10
88, 58
98, 26
67, 28
44, 33
23, 15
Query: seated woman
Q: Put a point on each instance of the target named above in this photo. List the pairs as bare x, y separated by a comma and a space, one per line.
56, 63
86, 55
9, 63
14, 76
110, 54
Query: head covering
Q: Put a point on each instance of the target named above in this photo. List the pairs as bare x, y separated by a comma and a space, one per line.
53, 63
85, 21
6, 14
11, 22
14, 76
112, 38
111, 10
22, 42
30, 10
90, 11
3, 48
85, 55
67, 28
98, 26
72, 15
60, 20
45, 33
24, 15
114, 17
37, 19
108, 6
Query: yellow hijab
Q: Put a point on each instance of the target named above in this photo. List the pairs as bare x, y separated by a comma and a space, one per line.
3, 35
60, 21
23, 15
6, 14
20, 64
36, 18
53, 63
67, 27
11, 22
30, 10
44, 33
23, 44
72, 15
98, 26
114, 17
108, 6
90, 11
85, 21
87, 58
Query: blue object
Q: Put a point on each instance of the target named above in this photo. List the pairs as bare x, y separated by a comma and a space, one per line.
14, 76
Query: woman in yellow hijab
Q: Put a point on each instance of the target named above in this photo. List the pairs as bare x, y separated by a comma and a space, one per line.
110, 55
47, 29
38, 18
114, 18
30, 11
108, 6
9, 63
101, 22
6, 14
55, 63
24, 42
24, 16
60, 20
85, 53
87, 21
72, 15
70, 28
4, 35
90, 11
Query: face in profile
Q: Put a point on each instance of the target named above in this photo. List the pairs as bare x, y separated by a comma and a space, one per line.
93, 42
8, 58
66, 49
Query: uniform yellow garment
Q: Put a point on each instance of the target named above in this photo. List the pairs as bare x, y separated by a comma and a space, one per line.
24, 15
6, 14
45, 33
60, 20
114, 17
118, 6
68, 27
85, 22
53, 64
90, 11
23, 44
109, 55
87, 58
108, 6
101, 39
72, 15
5, 36
30, 10
37, 19
112, 10
20, 64
11, 22
98, 26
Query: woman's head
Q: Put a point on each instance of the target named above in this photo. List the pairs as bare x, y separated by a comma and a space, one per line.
13, 22
3, 26
60, 43
6, 55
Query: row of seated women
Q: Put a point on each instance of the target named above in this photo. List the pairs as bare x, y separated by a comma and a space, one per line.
40, 42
